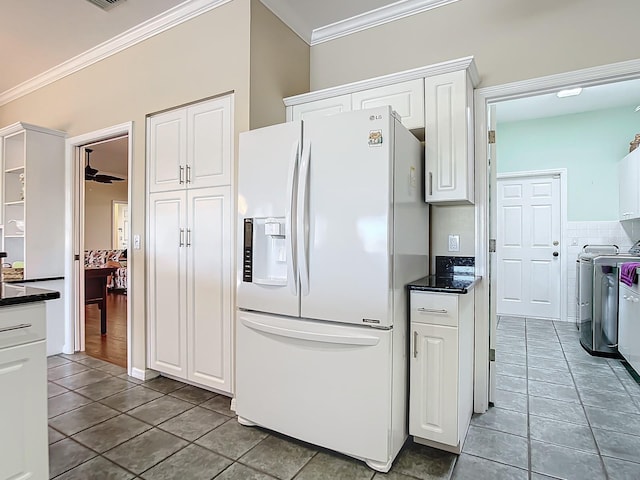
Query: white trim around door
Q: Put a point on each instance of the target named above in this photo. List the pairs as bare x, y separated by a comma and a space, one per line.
74, 169
483, 97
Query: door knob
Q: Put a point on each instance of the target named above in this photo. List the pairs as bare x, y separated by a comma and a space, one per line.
555, 254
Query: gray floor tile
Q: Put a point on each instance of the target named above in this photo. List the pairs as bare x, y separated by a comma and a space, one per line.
607, 419
132, 398
469, 467
420, 461
511, 358
92, 362
54, 389
550, 376
497, 446
98, 468
599, 382
81, 379
65, 402
512, 384
54, 436
587, 369
392, 476
566, 463
84, 417
193, 423
618, 445
161, 409
66, 454
126, 377
192, 462
280, 457
238, 471
220, 404
619, 402
73, 356
56, 361
550, 355
193, 394
104, 388
511, 401
503, 420
548, 363
164, 384
144, 451
326, 465
112, 369
557, 410
562, 433
111, 433
232, 439
513, 348
65, 370
621, 469
553, 391
511, 370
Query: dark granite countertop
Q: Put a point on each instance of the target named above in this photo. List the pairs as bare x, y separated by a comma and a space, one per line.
16, 294
30, 280
459, 284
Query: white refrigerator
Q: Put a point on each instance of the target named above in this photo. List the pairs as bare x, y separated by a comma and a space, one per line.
332, 227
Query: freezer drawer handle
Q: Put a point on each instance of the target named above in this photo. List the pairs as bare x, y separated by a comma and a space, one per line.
415, 344
15, 327
432, 310
363, 340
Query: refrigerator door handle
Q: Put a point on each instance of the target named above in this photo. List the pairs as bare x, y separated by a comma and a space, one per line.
303, 218
361, 340
292, 267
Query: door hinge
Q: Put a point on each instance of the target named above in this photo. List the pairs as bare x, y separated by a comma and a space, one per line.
492, 354
492, 136
76, 257
492, 245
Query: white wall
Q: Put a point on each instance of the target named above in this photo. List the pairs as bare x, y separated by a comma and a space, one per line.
98, 213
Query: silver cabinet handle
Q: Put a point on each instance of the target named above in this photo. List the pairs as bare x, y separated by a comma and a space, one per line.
415, 344
15, 327
430, 183
188, 237
181, 170
188, 174
432, 310
181, 241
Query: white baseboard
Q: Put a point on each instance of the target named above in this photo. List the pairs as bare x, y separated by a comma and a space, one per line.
145, 375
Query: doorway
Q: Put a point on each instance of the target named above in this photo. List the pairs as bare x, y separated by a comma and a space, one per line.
96, 162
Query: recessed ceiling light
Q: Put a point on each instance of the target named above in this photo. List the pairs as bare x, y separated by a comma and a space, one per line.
571, 92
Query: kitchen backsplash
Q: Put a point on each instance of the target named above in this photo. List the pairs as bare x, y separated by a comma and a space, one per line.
594, 233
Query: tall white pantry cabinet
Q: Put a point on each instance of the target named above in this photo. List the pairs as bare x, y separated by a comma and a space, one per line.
189, 251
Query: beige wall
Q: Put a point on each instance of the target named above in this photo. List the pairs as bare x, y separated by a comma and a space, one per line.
279, 66
98, 213
451, 220
205, 56
511, 40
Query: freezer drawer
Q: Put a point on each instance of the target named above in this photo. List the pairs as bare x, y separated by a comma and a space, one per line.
325, 384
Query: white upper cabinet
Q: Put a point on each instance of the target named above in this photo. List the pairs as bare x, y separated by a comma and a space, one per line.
629, 179
321, 108
406, 99
449, 138
188, 147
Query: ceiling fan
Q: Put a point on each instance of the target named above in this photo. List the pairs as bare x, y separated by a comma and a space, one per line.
91, 173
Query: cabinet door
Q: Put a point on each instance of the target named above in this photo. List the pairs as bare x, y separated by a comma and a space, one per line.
167, 283
406, 98
23, 412
448, 138
167, 151
433, 399
321, 108
629, 178
209, 287
209, 143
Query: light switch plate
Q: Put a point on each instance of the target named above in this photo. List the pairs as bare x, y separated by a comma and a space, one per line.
454, 243
136, 242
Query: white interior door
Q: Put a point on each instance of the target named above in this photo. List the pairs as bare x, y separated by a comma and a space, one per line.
528, 246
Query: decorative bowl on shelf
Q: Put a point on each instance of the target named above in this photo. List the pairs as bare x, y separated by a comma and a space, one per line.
19, 224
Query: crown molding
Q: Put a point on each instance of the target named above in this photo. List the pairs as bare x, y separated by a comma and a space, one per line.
290, 18
154, 26
20, 126
379, 16
465, 63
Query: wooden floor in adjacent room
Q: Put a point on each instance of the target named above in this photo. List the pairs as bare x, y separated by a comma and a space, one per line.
111, 347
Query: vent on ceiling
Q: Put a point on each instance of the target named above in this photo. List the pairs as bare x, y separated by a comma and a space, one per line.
106, 4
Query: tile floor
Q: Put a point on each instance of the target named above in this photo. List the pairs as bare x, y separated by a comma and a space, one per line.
106, 425
559, 412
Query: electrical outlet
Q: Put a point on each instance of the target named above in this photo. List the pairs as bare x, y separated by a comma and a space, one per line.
454, 243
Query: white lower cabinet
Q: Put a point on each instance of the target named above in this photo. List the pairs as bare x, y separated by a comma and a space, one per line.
629, 326
190, 285
441, 368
